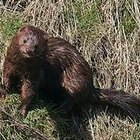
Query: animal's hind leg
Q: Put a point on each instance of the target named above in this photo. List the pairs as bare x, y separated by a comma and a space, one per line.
70, 107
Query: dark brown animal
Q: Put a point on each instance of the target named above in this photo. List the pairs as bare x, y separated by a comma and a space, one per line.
58, 69
23, 65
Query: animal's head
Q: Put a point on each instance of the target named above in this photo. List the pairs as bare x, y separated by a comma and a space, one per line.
30, 41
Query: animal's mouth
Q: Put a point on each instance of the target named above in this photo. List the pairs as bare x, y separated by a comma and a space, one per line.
28, 55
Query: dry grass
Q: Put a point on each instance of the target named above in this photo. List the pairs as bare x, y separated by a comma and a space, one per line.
107, 33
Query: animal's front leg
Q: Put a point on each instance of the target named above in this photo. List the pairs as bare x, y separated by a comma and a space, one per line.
29, 90
2, 92
5, 83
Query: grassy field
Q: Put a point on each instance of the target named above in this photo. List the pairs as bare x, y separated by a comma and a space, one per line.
107, 33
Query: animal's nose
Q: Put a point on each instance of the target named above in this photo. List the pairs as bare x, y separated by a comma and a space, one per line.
29, 50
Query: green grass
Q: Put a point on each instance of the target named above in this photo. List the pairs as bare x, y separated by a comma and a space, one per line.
9, 25
107, 35
50, 122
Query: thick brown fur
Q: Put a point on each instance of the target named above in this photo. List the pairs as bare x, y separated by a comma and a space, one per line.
20, 69
53, 65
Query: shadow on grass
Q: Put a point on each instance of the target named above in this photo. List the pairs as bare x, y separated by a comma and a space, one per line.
65, 127
50, 120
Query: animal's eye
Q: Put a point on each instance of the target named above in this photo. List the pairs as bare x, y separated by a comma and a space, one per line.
36, 46
24, 41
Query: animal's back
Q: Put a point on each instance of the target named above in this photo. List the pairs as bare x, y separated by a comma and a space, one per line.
68, 72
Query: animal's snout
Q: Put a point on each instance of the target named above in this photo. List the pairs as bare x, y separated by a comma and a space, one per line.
29, 50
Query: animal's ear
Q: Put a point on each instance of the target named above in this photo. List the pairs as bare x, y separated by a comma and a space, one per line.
24, 28
45, 36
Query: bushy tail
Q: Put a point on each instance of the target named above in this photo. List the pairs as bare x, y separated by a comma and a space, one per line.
126, 102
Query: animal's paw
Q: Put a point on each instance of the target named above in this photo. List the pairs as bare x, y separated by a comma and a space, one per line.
23, 110
2, 93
